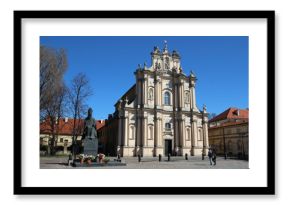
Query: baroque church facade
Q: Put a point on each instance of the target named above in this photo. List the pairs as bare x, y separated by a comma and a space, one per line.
158, 114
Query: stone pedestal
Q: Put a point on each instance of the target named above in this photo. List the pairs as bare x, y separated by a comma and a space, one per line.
90, 146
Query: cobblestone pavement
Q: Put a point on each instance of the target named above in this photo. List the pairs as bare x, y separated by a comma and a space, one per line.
193, 162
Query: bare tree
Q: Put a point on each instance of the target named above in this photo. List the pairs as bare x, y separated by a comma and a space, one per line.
53, 64
54, 111
53, 92
79, 92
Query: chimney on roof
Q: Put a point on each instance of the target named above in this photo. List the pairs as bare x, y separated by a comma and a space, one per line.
66, 119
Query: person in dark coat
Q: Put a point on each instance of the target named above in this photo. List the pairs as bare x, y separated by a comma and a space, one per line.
209, 154
214, 156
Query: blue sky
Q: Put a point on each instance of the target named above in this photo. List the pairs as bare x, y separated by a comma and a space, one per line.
219, 62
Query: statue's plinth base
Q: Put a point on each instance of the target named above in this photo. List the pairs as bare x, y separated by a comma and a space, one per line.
90, 146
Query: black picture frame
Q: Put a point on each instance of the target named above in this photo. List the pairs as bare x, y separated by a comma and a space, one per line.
268, 190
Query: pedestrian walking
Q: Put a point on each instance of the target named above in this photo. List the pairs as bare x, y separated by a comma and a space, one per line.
214, 156
209, 154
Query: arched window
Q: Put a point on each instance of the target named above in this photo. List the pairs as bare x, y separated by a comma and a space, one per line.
167, 126
167, 98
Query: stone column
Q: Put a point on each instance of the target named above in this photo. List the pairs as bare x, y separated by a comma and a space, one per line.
157, 92
145, 131
160, 93
126, 133
176, 133
182, 94
139, 93
193, 136
183, 132
160, 122
193, 97
156, 130
138, 131
145, 91
157, 136
195, 132
205, 131
120, 131
178, 96
175, 94
141, 135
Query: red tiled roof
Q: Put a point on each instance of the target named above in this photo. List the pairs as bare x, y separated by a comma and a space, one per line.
66, 127
231, 113
226, 124
100, 124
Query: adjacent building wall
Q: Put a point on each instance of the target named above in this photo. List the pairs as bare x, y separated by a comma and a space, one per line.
232, 140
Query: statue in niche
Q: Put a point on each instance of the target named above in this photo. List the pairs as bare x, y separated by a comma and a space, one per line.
150, 96
186, 97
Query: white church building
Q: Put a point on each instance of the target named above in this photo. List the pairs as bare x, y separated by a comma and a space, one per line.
158, 114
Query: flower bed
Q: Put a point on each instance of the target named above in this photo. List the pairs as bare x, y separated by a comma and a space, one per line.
86, 158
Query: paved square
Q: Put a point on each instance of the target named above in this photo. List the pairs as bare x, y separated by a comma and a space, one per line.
193, 162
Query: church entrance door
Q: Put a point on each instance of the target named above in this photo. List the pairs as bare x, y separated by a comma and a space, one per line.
168, 147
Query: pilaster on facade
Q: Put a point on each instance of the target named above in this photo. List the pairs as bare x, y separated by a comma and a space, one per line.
182, 94
205, 130
145, 131
176, 135
126, 130
193, 135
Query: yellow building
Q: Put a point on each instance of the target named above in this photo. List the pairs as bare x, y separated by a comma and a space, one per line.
229, 133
